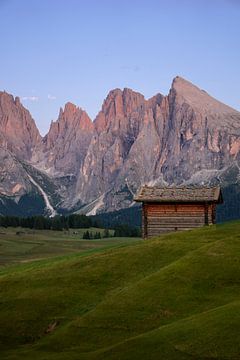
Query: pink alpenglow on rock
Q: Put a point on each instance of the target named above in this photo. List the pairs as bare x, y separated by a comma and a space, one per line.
184, 137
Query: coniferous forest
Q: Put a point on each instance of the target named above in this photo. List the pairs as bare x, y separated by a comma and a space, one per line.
73, 221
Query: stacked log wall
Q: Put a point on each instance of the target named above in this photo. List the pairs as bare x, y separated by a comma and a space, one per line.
162, 218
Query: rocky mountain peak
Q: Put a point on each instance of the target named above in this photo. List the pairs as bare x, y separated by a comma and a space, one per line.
117, 108
65, 145
121, 101
185, 87
112, 103
19, 133
132, 100
199, 99
71, 119
73, 116
155, 100
70, 109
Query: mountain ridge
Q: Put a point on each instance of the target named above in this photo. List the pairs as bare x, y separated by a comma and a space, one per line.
132, 141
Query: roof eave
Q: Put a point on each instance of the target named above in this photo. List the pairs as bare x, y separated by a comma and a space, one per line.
179, 201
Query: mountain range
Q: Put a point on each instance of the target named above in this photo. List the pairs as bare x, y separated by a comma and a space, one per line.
85, 166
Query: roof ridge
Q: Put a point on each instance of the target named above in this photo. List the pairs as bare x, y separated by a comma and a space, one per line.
179, 194
183, 187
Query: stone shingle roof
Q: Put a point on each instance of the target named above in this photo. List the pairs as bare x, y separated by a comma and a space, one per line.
179, 194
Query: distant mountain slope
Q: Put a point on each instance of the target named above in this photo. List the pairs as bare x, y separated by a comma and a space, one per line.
186, 137
25, 190
173, 297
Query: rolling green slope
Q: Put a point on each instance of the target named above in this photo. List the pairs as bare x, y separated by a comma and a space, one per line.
19, 245
174, 297
208, 335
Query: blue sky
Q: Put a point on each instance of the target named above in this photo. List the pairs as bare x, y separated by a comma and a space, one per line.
54, 51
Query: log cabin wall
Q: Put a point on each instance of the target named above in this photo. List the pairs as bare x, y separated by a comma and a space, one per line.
160, 218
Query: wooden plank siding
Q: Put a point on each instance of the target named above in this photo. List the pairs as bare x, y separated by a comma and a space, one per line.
158, 218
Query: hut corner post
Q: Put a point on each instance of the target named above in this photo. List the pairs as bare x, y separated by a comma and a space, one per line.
214, 213
210, 213
206, 213
144, 221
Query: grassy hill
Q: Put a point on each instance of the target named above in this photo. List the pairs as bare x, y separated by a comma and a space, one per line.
173, 297
18, 245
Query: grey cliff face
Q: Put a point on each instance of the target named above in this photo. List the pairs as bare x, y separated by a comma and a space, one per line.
13, 177
184, 137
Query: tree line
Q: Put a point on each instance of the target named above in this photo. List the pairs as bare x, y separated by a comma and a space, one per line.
39, 222
74, 221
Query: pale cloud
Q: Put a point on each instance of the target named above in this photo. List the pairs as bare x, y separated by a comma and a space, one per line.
51, 97
29, 98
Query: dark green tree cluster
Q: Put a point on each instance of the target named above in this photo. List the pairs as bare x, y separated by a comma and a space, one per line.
125, 230
97, 235
76, 221
12, 221
230, 209
106, 233
131, 216
90, 235
43, 223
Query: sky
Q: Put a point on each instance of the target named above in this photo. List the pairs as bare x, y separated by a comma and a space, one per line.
54, 51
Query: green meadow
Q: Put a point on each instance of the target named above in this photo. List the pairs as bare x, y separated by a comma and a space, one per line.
18, 245
172, 297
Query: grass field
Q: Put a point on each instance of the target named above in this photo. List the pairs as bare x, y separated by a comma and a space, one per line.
173, 297
19, 245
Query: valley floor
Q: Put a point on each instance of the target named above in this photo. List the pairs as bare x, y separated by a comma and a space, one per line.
172, 297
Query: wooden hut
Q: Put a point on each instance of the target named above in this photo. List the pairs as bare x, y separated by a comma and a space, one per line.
166, 209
